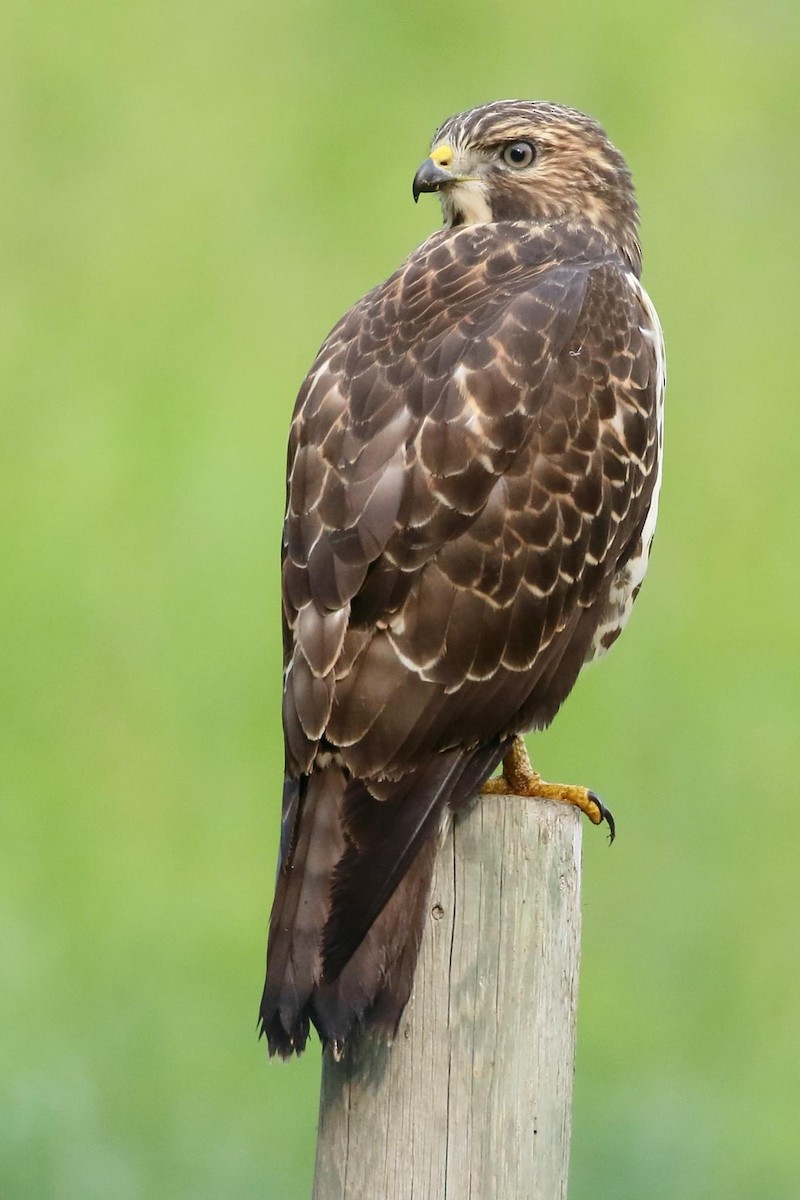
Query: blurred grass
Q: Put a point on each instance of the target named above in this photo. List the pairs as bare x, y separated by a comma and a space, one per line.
191, 197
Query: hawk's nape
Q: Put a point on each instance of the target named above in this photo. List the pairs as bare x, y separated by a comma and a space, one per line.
474, 465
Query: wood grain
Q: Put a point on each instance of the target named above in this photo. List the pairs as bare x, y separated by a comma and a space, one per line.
473, 1099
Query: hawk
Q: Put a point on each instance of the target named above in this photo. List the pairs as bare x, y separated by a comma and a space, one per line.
473, 477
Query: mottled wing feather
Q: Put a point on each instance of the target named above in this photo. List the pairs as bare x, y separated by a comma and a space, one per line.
401, 433
518, 493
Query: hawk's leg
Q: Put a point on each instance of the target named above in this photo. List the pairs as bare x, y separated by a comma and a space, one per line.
520, 779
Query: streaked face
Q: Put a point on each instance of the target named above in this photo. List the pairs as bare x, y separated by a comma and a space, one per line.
518, 160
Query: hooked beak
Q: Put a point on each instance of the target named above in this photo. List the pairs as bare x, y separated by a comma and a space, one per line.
433, 173
429, 178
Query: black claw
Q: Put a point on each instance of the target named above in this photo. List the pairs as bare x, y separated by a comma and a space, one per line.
605, 815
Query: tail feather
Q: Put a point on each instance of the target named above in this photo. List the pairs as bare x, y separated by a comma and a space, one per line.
300, 911
374, 985
390, 834
352, 897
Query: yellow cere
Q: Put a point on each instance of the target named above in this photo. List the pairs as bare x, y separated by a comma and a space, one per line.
442, 156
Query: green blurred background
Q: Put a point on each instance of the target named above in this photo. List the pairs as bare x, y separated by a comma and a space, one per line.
192, 194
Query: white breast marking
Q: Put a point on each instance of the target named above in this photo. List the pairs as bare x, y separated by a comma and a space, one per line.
626, 583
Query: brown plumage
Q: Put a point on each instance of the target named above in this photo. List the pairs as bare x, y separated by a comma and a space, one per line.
474, 463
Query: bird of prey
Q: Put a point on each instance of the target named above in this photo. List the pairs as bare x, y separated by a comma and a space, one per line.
473, 476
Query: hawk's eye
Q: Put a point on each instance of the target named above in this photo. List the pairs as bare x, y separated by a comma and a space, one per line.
518, 154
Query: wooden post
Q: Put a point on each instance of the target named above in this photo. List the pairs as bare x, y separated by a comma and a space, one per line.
473, 1099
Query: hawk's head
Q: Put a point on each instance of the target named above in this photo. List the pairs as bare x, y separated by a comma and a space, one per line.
518, 160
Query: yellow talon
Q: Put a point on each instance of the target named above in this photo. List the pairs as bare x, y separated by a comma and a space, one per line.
520, 779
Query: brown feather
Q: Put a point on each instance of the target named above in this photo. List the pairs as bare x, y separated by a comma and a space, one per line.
300, 910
